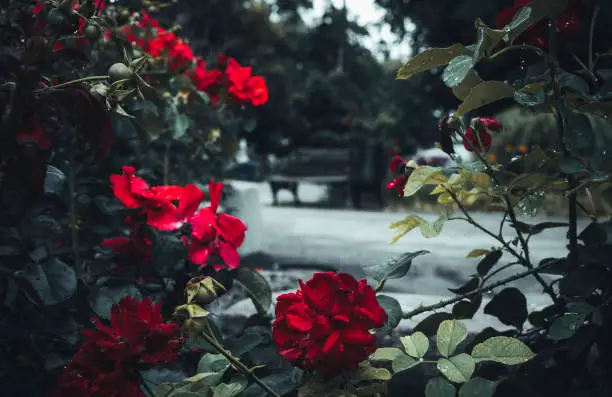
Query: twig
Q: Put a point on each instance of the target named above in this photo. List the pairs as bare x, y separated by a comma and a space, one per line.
238, 364
591, 34
477, 291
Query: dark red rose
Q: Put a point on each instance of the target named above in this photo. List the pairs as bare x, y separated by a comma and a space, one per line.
477, 137
325, 326
215, 233
137, 247
137, 333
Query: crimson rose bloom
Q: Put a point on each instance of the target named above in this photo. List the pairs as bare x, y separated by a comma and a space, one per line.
215, 233
399, 182
325, 325
156, 203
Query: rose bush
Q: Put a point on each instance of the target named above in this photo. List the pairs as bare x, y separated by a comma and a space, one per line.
105, 109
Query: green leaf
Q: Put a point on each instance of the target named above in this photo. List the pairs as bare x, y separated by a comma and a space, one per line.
237, 383
429, 325
403, 362
394, 268
393, 310
450, 334
467, 308
422, 176
470, 286
212, 363
257, 287
593, 235
416, 345
483, 94
457, 369
509, 306
385, 354
537, 228
487, 263
429, 59
478, 387
539, 9
457, 70
102, 297
580, 136
430, 230
504, 350
566, 326
439, 387
53, 281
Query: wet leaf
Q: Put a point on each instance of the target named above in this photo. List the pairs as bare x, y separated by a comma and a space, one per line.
457, 70
416, 345
478, 387
450, 334
504, 350
385, 354
393, 309
457, 369
429, 59
566, 326
394, 268
257, 287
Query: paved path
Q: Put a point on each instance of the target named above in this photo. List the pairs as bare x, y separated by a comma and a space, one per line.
351, 239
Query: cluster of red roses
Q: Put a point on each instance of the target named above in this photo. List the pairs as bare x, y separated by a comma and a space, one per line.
108, 360
568, 23
211, 232
229, 77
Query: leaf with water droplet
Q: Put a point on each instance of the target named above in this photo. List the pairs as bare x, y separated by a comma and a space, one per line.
457, 70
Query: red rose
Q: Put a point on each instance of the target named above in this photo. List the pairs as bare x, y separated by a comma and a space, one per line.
137, 333
399, 182
180, 56
214, 232
108, 361
478, 138
325, 325
156, 203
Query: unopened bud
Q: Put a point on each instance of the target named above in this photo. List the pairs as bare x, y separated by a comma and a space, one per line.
203, 290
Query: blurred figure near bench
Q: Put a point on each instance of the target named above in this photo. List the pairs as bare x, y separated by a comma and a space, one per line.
368, 162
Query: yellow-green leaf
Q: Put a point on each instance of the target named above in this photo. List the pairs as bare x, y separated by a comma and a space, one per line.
472, 79
480, 180
425, 175
429, 59
484, 94
405, 226
477, 252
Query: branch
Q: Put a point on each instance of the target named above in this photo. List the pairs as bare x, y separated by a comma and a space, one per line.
477, 291
522, 260
238, 364
526, 261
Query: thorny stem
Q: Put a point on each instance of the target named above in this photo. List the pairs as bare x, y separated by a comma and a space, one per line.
69, 83
572, 233
480, 290
238, 364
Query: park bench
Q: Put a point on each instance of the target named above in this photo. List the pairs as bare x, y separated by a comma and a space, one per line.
329, 167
